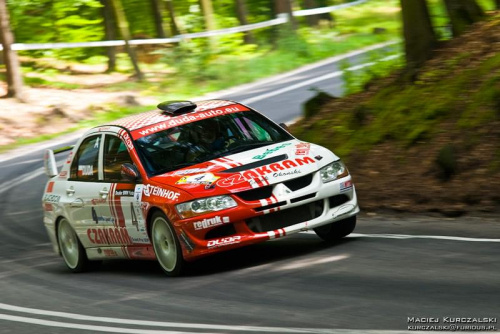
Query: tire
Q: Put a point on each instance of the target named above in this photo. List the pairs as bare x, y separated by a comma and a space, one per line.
336, 230
71, 248
166, 245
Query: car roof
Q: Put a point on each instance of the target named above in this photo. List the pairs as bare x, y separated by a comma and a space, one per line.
149, 118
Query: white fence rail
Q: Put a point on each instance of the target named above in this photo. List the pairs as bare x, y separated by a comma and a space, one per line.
176, 39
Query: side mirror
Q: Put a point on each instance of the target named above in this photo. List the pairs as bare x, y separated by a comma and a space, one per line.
129, 173
49, 163
284, 126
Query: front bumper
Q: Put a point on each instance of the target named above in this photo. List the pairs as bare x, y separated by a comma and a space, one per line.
314, 205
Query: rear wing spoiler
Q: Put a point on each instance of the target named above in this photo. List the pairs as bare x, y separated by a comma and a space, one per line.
49, 160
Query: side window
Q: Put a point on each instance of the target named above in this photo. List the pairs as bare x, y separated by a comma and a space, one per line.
115, 155
85, 166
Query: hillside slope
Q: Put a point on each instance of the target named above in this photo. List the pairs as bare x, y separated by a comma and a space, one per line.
428, 146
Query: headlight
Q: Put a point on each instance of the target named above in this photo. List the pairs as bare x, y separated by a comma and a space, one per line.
204, 205
333, 171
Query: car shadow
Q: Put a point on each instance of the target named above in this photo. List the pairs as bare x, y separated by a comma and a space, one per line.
266, 253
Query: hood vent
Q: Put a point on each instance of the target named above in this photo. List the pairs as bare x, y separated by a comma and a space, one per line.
256, 164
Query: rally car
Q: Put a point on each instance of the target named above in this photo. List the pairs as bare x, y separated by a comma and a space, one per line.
189, 180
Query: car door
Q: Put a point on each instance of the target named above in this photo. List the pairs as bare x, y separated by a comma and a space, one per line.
86, 195
125, 195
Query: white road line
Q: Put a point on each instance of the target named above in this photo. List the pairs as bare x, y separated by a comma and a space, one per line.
408, 236
312, 81
412, 236
310, 262
21, 179
92, 328
108, 329
74, 316
305, 68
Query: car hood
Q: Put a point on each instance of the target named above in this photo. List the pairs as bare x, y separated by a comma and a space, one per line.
263, 166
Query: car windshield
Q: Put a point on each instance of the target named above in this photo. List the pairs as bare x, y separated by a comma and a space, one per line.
207, 139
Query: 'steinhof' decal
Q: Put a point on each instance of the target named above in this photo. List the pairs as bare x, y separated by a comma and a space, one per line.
150, 190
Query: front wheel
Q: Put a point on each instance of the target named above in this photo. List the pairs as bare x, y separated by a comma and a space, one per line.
71, 248
336, 230
166, 245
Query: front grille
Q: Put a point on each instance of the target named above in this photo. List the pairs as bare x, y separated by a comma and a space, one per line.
302, 198
220, 232
270, 206
299, 183
256, 194
288, 217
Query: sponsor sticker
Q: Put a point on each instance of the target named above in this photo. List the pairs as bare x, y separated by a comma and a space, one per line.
224, 241
124, 193
109, 236
50, 198
110, 253
191, 171
345, 186
210, 222
231, 181
277, 167
302, 149
101, 219
206, 179
128, 141
150, 190
181, 120
85, 170
70, 155
287, 173
270, 151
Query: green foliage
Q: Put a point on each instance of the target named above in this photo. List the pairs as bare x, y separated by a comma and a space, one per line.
453, 92
50, 21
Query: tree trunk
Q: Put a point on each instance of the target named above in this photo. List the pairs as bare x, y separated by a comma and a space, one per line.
109, 33
241, 12
208, 15
286, 7
125, 32
14, 77
462, 14
160, 32
312, 20
420, 39
497, 4
174, 28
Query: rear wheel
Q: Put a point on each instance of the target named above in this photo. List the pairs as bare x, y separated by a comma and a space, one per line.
336, 230
72, 250
166, 245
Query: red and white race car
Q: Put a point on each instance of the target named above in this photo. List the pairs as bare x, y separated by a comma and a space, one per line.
189, 180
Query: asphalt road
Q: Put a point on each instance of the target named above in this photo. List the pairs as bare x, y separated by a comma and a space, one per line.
391, 269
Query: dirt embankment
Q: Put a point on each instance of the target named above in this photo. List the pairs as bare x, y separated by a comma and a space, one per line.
440, 148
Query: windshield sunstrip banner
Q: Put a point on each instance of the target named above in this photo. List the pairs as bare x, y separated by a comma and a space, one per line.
185, 119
